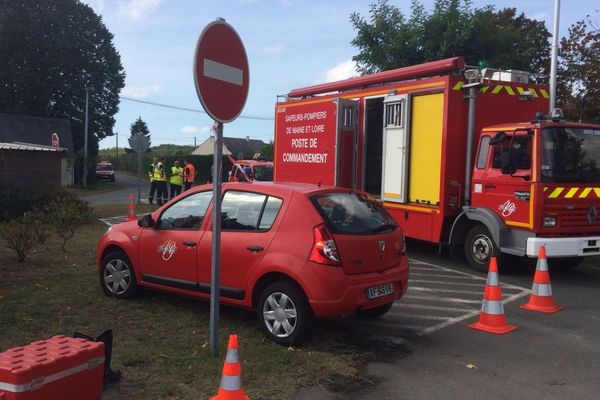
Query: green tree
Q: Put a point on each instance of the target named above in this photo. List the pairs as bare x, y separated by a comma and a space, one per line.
578, 89
389, 39
51, 50
139, 127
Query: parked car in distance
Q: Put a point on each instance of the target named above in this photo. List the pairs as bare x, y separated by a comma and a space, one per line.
105, 170
251, 170
291, 251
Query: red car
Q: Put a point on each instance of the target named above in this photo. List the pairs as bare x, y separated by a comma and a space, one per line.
291, 251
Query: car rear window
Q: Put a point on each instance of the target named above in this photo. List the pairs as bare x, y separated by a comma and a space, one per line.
353, 213
104, 167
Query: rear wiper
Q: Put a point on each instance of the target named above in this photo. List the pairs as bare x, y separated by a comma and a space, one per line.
384, 227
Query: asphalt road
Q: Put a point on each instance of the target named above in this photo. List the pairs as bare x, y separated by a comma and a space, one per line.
125, 185
424, 349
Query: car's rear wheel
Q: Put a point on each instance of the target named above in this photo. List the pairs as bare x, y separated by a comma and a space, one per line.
284, 314
117, 276
375, 312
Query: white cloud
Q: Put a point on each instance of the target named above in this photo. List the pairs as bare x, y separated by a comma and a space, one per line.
274, 49
136, 9
343, 70
140, 92
196, 130
190, 129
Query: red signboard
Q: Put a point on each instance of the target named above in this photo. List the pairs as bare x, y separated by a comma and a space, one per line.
221, 71
305, 141
55, 141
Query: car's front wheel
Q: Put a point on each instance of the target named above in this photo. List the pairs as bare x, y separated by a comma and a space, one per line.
284, 314
117, 276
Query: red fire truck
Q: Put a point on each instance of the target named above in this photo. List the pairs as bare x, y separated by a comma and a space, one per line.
440, 144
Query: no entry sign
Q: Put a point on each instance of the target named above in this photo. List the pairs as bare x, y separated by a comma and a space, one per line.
221, 72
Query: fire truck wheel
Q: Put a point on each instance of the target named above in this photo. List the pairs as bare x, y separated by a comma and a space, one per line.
284, 314
373, 313
480, 247
117, 277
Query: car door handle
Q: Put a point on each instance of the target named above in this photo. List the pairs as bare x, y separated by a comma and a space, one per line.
489, 186
189, 243
255, 248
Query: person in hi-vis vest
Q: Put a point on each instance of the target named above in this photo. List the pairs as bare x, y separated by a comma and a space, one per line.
160, 177
189, 174
153, 185
176, 179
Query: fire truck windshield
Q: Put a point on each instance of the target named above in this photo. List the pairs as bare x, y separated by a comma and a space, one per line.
570, 154
263, 173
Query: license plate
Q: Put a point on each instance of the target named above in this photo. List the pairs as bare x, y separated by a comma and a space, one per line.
378, 291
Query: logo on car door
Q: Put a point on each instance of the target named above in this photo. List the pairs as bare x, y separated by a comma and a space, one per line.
168, 249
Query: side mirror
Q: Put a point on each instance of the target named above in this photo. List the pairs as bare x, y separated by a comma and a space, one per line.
498, 138
146, 221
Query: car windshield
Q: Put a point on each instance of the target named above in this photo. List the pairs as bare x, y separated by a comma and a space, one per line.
104, 167
263, 173
353, 213
570, 155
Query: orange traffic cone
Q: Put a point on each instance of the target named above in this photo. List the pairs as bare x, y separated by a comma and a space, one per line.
541, 293
131, 209
491, 318
231, 380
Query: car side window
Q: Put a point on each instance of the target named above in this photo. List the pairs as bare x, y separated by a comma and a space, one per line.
247, 211
186, 214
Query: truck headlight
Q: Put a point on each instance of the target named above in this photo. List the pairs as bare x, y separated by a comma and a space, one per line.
549, 221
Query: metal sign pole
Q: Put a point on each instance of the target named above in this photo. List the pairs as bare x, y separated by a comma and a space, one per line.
139, 177
216, 241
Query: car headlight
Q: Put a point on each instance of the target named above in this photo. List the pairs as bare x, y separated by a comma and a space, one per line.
109, 229
549, 221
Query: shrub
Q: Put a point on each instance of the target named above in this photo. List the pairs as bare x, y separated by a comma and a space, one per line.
65, 214
18, 236
17, 200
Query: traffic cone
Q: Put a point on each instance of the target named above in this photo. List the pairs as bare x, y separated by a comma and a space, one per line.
491, 318
231, 380
131, 208
541, 293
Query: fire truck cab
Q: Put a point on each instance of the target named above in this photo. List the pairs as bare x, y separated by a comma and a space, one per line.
460, 157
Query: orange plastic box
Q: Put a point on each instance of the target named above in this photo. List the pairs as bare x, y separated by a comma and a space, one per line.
60, 368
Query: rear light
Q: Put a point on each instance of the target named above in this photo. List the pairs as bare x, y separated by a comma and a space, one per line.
549, 221
324, 249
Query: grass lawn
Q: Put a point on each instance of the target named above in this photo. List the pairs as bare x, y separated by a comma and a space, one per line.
160, 340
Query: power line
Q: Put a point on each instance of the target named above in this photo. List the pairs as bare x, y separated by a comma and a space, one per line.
189, 109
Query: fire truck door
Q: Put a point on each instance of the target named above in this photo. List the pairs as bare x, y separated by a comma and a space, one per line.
395, 148
346, 153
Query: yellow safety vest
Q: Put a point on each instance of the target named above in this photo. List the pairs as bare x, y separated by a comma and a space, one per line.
159, 172
177, 176
151, 172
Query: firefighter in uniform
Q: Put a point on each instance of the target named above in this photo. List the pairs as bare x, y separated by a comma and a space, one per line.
189, 174
176, 179
153, 186
160, 177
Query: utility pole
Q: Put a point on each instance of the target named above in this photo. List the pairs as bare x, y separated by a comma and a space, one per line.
118, 162
194, 141
85, 139
554, 60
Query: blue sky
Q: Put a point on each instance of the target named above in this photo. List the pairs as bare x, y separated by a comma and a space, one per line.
290, 44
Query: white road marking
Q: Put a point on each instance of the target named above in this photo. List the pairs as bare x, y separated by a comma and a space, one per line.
425, 301
223, 72
113, 220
